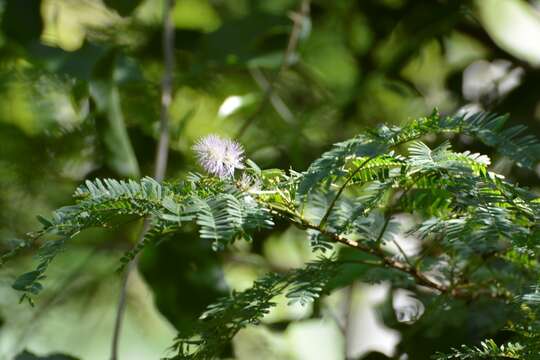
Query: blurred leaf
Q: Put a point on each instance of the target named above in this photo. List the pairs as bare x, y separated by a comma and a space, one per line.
423, 22
111, 127
22, 282
234, 104
76, 314
332, 62
79, 63
187, 264
514, 25
109, 117
195, 14
67, 24
315, 339
261, 343
240, 40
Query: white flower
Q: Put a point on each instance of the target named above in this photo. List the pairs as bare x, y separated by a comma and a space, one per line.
249, 183
219, 156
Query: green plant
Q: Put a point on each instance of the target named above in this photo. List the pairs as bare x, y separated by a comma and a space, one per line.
478, 231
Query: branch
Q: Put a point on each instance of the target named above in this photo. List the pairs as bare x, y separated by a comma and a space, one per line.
386, 260
278, 104
162, 151
298, 19
420, 278
460, 292
340, 191
166, 93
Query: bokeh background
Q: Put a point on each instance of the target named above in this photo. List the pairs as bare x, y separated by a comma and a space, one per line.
80, 98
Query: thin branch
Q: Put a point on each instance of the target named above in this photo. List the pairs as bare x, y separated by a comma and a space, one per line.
278, 103
390, 262
298, 20
341, 189
385, 226
166, 93
162, 152
420, 278
383, 230
402, 252
121, 307
349, 179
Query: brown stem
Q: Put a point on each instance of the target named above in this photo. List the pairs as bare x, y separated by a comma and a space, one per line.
162, 152
460, 291
419, 277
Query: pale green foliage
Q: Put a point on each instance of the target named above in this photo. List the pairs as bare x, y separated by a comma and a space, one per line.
487, 128
224, 319
222, 216
465, 217
487, 350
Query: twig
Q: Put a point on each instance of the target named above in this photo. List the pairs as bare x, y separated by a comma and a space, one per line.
383, 230
403, 253
278, 104
162, 151
350, 177
166, 93
388, 261
121, 307
419, 277
385, 226
292, 44
340, 191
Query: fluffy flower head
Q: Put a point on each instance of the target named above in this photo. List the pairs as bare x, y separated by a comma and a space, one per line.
218, 156
249, 184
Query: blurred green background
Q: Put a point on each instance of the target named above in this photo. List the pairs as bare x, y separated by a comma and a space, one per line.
79, 99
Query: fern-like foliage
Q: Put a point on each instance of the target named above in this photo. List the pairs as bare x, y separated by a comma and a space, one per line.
487, 350
478, 233
222, 320
526, 334
488, 128
222, 216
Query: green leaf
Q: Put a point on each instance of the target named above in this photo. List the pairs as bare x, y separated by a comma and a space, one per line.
112, 131
23, 282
